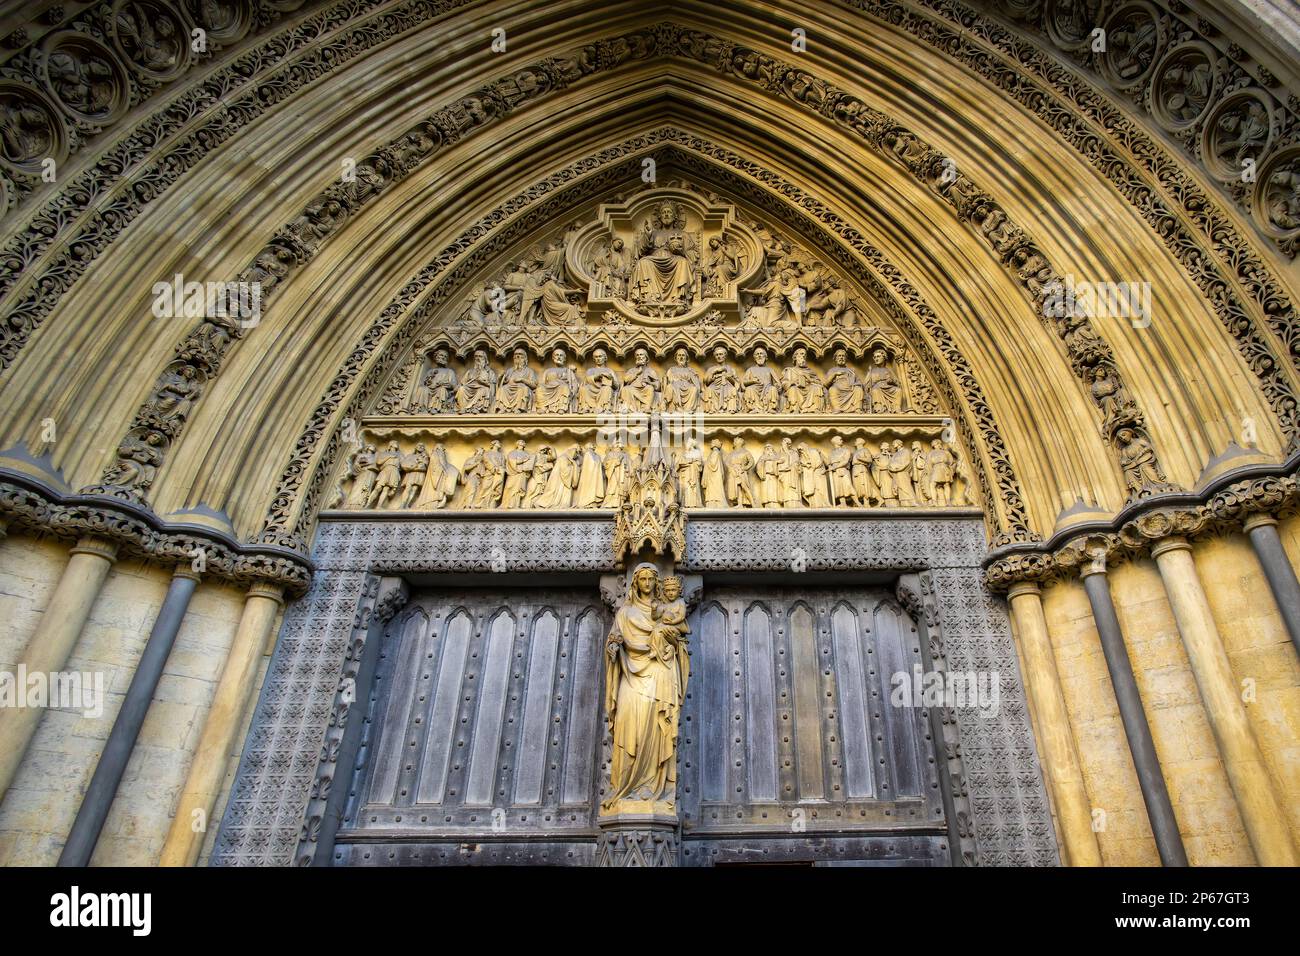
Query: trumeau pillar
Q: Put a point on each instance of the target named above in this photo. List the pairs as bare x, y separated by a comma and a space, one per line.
52, 644
1060, 760
199, 796
1160, 813
1262, 531
1257, 798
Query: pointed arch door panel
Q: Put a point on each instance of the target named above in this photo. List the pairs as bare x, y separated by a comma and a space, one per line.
789, 727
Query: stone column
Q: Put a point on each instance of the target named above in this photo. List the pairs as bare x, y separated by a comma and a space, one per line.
130, 718
1257, 799
1262, 531
199, 796
50, 647
1056, 744
1160, 813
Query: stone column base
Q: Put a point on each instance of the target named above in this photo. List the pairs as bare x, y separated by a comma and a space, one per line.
628, 839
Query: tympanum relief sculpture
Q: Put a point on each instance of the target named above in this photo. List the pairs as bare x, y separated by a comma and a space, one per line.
666, 355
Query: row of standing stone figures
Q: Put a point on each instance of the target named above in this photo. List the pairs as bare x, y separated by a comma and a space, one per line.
783, 475
562, 388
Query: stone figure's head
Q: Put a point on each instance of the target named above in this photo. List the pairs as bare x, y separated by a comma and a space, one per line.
719, 355
559, 357
837, 441
682, 357
644, 579
521, 358
600, 356
760, 356
878, 357
642, 356
936, 444
440, 357
801, 357
841, 357
480, 358
671, 587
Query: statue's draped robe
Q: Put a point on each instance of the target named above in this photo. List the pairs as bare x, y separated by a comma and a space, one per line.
843, 393
883, 392
439, 482
477, 391
515, 393
556, 390
560, 484
683, 393
640, 388
598, 390
715, 480
643, 696
591, 481
661, 275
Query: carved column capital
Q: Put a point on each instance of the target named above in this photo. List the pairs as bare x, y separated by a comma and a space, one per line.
1006, 572
1154, 526
1088, 554
1268, 495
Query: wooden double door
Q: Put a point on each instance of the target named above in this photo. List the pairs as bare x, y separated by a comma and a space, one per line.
485, 741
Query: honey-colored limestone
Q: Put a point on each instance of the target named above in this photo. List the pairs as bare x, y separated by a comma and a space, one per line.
575, 106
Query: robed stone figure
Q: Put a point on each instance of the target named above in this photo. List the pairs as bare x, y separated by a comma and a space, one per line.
646, 670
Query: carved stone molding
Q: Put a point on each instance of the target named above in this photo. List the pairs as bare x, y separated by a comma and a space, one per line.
1221, 508
84, 214
1200, 86
958, 32
1088, 354
1126, 153
30, 506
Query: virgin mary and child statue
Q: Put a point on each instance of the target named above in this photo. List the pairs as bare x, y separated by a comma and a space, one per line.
646, 669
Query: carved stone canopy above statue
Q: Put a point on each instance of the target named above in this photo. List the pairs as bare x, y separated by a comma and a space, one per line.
665, 257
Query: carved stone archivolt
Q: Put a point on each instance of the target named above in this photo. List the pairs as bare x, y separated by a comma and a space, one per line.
1134, 458
1141, 35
